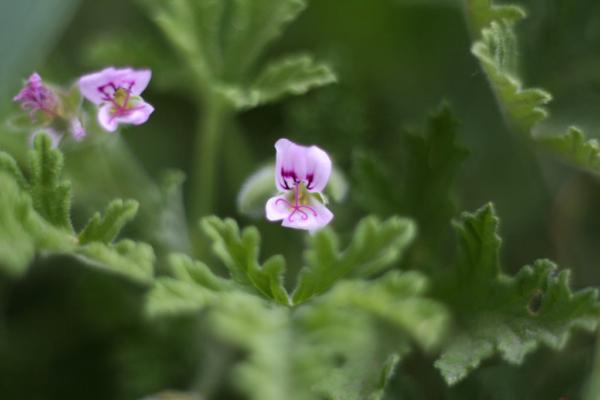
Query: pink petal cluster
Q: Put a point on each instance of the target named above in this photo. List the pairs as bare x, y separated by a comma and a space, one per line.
117, 94
299, 168
35, 96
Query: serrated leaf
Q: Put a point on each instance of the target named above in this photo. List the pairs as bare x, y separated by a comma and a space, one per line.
293, 75
496, 49
375, 246
396, 298
22, 230
192, 287
252, 26
134, 260
504, 314
239, 251
106, 228
51, 195
574, 148
10, 166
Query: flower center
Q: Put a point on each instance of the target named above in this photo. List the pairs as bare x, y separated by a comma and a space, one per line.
298, 206
120, 98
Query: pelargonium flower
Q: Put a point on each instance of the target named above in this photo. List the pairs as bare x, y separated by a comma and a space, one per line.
40, 99
117, 94
301, 173
35, 96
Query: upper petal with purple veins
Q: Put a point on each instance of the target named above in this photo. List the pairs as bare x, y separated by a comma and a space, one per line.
99, 86
296, 163
116, 92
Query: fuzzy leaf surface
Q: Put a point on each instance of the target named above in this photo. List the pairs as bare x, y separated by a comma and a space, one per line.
496, 48
293, 75
376, 245
239, 251
497, 313
106, 228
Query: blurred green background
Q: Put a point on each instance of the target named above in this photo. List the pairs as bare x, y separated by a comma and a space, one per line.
396, 60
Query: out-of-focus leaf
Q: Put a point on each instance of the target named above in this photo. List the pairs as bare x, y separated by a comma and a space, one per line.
574, 148
134, 260
38, 221
483, 12
333, 347
106, 228
293, 75
496, 49
191, 287
51, 195
22, 230
592, 390
375, 246
239, 251
504, 314
252, 26
394, 298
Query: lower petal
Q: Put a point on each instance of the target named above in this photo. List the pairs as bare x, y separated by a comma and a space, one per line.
277, 208
310, 218
137, 115
105, 118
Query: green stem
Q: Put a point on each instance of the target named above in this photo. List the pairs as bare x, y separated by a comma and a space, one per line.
206, 157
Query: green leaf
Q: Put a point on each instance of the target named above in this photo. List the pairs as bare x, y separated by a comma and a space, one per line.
496, 49
293, 75
239, 252
22, 230
10, 166
252, 26
105, 229
574, 148
192, 287
375, 246
51, 195
592, 390
504, 314
134, 260
481, 13
397, 299
345, 345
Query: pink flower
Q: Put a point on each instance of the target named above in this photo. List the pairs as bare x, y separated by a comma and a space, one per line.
35, 96
117, 94
301, 173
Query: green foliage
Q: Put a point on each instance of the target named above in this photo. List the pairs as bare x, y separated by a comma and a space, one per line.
37, 220
239, 251
333, 347
134, 260
51, 195
105, 229
376, 245
191, 286
294, 75
499, 313
22, 230
422, 186
497, 51
221, 41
